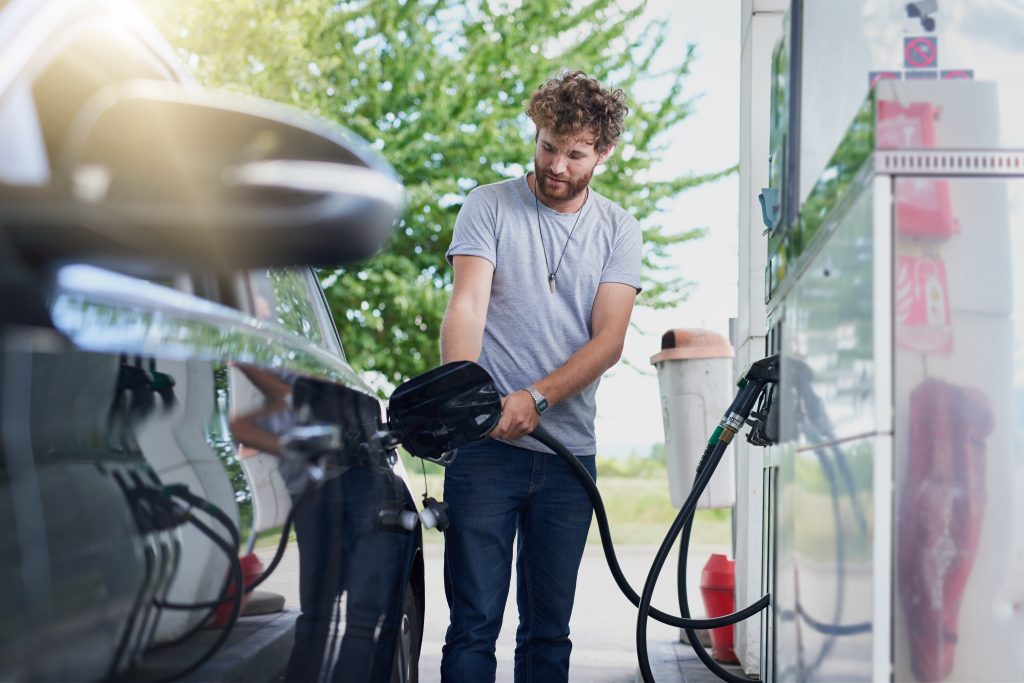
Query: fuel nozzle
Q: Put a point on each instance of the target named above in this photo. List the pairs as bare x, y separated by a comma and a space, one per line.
755, 385
434, 514
764, 370
763, 419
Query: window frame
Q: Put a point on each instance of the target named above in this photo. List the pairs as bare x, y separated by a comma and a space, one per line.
315, 298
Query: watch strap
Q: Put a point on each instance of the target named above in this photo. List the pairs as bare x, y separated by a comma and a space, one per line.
539, 402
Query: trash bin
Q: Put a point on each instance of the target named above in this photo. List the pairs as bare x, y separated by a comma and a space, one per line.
695, 379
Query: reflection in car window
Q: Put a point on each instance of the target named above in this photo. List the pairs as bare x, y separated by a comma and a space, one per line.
281, 295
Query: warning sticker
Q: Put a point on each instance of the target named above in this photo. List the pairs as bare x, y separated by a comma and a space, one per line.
875, 76
920, 52
923, 321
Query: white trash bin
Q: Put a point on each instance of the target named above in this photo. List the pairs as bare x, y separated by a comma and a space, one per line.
695, 379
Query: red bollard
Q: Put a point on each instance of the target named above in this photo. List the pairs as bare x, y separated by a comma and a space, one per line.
718, 589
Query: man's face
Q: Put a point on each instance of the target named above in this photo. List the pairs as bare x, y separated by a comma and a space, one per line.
565, 164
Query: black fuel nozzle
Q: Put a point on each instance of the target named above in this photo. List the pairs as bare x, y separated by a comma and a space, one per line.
761, 379
764, 419
755, 386
764, 370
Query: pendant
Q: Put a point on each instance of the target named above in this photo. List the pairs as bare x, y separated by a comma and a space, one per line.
551, 282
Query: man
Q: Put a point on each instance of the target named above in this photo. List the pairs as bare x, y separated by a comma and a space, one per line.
546, 273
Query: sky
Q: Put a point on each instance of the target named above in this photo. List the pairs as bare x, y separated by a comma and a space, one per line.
628, 401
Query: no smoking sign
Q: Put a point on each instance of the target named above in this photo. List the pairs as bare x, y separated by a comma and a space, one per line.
920, 52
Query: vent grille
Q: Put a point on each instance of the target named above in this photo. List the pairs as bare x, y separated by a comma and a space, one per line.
945, 162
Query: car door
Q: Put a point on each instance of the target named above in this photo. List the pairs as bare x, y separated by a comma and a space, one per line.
380, 571
118, 444
141, 400
82, 555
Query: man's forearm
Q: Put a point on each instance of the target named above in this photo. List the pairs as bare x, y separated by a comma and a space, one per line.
461, 336
582, 369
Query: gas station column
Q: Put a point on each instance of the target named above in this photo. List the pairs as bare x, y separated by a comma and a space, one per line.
761, 26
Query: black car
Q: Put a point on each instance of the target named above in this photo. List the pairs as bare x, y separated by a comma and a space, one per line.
167, 354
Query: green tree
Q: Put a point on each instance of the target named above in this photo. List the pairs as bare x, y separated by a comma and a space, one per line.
439, 88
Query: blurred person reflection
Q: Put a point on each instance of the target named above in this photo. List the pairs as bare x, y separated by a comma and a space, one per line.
352, 568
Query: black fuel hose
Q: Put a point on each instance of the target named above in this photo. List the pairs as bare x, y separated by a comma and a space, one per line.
764, 372
181, 492
236, 599
684, 519
225, 521
194, 629
542, 435
759, 375
282, 543
684, 609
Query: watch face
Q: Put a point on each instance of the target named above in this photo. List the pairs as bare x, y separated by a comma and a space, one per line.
542, 405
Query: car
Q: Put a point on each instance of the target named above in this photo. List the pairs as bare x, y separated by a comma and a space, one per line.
171, 372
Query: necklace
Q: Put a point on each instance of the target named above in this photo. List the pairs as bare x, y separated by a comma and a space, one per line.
540, 233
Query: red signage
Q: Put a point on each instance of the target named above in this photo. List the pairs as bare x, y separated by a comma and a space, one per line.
920, 52
922, 204
875, 76
923, 318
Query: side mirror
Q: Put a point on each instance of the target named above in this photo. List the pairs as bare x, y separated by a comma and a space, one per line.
445, 408
163, 172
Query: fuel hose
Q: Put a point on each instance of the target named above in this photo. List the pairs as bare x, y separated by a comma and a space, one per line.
718, 443
542, 435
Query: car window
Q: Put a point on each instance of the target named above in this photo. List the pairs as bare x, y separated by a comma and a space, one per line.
292, 298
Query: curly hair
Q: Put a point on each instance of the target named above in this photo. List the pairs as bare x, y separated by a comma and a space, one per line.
573, 102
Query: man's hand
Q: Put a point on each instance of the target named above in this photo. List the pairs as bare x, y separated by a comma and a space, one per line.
518, 416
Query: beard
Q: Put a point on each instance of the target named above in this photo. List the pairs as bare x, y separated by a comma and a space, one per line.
570, 188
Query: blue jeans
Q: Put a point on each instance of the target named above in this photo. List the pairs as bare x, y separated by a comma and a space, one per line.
492, 490
341, 549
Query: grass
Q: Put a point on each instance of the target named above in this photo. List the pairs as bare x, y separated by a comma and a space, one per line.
636, 499
635, 494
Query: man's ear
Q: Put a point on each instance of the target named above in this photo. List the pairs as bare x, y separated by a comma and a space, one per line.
603, 156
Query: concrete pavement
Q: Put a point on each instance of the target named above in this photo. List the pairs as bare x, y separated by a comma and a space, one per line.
603, 628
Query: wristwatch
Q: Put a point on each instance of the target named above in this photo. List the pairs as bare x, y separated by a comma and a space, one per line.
539, 402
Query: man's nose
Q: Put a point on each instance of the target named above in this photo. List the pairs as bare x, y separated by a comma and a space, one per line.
559, 164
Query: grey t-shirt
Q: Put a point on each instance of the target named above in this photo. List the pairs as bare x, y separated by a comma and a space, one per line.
531, 332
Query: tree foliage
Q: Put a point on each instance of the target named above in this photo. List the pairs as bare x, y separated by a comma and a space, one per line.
439, 88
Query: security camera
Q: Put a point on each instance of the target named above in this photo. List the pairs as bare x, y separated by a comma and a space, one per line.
924, 10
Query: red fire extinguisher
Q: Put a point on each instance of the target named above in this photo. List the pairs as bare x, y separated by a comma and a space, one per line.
718, 589
251, 570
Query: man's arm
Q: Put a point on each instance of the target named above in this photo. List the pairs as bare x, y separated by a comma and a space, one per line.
462, 330
609, 320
